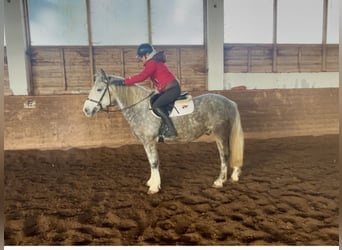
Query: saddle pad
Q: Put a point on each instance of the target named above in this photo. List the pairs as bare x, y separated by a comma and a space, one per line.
182, 107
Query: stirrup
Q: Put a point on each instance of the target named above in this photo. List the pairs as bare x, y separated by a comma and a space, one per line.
161, 132
174, 134
164, 131
161, 138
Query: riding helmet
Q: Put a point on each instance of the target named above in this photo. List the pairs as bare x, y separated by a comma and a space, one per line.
143, 49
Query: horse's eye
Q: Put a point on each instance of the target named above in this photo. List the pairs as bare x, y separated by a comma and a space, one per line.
99, 90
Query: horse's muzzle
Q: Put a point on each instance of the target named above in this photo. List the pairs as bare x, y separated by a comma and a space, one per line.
90, 112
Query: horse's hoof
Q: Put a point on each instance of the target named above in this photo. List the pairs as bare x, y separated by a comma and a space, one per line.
217, 184
149, 192
232, 179
235, 175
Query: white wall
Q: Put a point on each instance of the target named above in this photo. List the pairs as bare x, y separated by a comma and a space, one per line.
281, 80
16, 47
215, 44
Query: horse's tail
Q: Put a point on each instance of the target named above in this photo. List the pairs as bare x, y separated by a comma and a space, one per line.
236, 142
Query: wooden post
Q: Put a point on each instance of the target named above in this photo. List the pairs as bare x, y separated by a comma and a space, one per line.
249, 59
90, 44
122, 54
299, 61
324, 35
149, 20
274, 46
179, 63
64, 69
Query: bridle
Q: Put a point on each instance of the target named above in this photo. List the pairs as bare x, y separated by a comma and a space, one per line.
98, 102
103, 94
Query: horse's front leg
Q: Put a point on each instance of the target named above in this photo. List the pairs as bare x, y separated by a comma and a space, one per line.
152, 155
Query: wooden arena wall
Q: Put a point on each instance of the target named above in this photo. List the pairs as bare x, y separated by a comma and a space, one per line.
51, 116
61, 70
46, 122
68, 70
280, 58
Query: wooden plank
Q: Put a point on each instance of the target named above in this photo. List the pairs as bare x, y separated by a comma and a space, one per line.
332, 58
261, 60
77, 67
193, 69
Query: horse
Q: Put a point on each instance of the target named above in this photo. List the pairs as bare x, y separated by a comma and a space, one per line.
213, 114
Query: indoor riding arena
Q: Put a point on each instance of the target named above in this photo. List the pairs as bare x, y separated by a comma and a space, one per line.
74, 180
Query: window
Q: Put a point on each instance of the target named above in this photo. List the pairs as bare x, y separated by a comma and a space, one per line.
119, 22
177, 22
248, 21
58, 22
300, 21
333, 16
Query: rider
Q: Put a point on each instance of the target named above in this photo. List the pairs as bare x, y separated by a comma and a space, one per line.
164, 81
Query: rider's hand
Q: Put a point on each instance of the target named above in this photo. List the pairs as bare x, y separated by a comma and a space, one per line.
118, 82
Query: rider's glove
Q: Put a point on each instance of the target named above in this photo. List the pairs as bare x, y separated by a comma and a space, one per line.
118, 82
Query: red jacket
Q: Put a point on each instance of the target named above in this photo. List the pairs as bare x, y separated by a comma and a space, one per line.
156, 70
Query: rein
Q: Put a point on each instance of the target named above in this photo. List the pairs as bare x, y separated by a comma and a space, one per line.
128, 107
124, 108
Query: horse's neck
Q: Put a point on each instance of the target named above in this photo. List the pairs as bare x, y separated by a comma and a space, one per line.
128, 96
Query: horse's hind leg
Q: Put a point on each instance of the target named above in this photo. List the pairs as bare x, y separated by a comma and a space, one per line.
222, 146
152, 155
236, 145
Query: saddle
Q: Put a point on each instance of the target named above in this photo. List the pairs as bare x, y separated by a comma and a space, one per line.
184, 97
174, 107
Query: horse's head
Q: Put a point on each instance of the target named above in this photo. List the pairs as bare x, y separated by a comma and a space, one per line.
99, 96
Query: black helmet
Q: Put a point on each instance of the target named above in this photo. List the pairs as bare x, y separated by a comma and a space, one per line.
143, 49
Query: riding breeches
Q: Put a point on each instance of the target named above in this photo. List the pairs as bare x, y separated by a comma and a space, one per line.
166, 97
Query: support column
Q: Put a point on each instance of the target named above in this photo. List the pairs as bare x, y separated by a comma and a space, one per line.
2, 127
17, 59
215, 44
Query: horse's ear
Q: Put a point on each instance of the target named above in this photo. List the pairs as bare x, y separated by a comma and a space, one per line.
104, 75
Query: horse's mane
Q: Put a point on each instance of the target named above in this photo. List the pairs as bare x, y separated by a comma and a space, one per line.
131, 94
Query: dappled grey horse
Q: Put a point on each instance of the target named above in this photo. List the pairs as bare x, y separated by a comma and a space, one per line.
213, 114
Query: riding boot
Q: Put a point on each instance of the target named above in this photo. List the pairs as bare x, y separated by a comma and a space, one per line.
170, 130
161, 132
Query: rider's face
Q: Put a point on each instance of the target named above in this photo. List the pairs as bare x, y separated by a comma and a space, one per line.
143, 58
